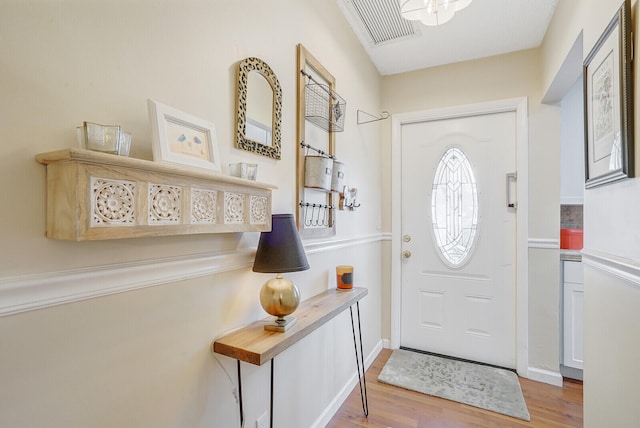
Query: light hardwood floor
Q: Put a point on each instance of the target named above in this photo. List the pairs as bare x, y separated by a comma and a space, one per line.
393, 407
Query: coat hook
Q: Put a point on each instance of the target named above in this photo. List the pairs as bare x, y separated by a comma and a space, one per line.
324, 213
384, 115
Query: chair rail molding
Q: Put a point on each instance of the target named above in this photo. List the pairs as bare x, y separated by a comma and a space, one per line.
625, 269
544, 243
29, 292
35, 291
318, 246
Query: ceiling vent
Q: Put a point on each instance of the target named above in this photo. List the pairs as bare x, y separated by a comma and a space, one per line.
378, 21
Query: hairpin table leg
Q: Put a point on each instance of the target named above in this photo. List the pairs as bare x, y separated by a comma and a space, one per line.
362, 381
240, 394
271, 401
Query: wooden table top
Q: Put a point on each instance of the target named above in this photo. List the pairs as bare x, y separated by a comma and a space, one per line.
253, 344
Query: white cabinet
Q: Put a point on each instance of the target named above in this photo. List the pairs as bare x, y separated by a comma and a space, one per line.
573, 314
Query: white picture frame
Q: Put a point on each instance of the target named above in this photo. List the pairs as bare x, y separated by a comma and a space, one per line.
183, 139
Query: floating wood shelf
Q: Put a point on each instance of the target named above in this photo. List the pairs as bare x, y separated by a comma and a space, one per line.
253, 344
93, 195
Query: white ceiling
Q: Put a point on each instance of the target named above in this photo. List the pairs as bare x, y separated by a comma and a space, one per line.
485, 28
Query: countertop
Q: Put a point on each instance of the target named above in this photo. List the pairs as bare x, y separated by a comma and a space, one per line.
570, 255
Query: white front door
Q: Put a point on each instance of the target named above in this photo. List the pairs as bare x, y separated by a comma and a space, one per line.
458, 293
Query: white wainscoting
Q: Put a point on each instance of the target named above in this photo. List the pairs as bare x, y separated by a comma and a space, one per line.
534, 373
340, 398
29, 292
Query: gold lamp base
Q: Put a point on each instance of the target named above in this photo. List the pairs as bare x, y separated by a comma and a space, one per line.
281, 324
280, 297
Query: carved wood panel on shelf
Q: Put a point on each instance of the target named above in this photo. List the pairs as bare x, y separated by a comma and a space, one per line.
93, 196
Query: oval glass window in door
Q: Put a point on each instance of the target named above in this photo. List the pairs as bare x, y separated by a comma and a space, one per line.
454, 208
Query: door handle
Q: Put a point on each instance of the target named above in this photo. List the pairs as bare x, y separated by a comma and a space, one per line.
512, 178
406, 254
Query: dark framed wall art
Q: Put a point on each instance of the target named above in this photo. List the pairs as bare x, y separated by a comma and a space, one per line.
608, 104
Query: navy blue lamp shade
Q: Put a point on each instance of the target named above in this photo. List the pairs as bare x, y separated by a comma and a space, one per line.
280, 251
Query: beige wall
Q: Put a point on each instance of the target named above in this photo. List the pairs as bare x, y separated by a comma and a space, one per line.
612, 255
499, 77
141, 358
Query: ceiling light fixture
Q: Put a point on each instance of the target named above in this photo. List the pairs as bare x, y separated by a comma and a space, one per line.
431, 12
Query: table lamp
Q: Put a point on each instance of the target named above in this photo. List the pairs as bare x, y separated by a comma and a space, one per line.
280, 251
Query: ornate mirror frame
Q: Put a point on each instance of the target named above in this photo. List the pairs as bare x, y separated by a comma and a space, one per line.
246, 66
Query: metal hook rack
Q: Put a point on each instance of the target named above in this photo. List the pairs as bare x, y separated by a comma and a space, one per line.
383, 116
317, 215
320, 152
308, 76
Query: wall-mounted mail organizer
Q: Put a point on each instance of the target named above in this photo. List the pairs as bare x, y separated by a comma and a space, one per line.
307, 147
322, 171
323, 106
320, 106
317, 215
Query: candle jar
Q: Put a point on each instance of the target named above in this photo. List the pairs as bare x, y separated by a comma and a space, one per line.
244, 170
125, 144
344, 277
102, 138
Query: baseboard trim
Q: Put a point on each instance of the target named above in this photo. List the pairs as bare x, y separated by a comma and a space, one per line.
571, 372
340, 398
544, 376
36, 291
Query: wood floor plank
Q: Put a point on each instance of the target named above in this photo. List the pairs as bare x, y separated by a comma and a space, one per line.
393, 407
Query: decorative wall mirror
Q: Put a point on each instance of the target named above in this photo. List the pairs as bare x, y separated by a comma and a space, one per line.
317, 209
259, 106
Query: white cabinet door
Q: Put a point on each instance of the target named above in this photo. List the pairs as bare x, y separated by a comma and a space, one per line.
573, 314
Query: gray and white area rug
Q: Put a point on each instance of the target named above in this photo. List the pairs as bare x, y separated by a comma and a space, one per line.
481, 386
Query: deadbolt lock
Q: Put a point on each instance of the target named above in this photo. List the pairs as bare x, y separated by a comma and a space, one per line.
406, 238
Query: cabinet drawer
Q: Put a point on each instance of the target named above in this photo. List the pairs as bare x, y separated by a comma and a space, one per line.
573, 272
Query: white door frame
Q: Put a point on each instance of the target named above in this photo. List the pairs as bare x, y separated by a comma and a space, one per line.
519, 106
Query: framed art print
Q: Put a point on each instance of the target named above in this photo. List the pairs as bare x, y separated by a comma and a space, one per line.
183, 139
608, 104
